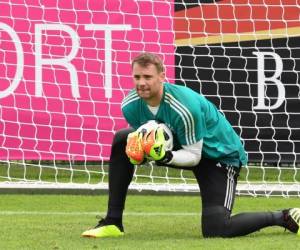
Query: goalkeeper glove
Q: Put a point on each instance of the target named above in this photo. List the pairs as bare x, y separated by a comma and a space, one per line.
154, 146
134, 149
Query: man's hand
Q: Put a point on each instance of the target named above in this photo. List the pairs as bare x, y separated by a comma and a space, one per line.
134, 149
154, 144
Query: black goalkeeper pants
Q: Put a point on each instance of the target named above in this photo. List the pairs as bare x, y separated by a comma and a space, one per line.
217, 183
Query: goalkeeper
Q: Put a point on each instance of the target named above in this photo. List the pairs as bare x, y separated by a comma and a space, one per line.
205, 143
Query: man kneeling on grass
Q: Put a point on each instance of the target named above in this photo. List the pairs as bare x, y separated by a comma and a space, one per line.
207, 145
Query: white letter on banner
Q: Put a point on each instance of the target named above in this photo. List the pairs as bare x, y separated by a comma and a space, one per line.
20, 60
262, 79
64, 62
108, 41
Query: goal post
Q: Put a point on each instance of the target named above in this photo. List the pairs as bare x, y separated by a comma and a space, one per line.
65, 68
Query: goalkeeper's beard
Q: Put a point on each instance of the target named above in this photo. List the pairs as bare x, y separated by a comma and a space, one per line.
152, 98
144, 92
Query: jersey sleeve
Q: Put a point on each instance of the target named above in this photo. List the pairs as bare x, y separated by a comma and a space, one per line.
129, 109
130, 117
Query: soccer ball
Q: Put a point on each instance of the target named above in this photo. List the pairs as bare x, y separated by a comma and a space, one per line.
152, 124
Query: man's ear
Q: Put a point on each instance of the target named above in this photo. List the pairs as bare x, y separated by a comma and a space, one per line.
162, 76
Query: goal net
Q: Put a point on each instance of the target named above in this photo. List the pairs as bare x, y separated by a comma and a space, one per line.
65, 68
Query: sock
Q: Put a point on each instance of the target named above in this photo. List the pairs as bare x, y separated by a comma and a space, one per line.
278, 218
114, 221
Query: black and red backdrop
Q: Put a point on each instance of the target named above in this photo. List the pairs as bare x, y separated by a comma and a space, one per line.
216, 54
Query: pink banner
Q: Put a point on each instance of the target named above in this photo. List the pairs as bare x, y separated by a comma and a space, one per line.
65, 68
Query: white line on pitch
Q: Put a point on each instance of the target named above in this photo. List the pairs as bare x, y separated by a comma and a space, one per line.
54, 213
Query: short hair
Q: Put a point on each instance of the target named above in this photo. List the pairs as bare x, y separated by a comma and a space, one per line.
145, 59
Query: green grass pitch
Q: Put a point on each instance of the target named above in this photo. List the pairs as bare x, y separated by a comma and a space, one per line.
151, 222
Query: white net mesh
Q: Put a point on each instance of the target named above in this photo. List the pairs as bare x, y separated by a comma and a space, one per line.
65, 68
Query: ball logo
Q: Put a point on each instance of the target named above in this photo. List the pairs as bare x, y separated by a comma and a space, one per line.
158, 149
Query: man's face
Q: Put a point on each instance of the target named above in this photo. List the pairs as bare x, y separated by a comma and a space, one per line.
148, 82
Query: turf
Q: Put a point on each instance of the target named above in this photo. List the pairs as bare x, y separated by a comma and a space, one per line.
151, 222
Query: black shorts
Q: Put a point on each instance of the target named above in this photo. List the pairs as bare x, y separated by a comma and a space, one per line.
217, 182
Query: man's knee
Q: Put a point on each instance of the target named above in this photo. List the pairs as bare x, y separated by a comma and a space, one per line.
121, 136
214, 221
119, 144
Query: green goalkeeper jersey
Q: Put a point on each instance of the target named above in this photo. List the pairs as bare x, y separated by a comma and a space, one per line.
191, 117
